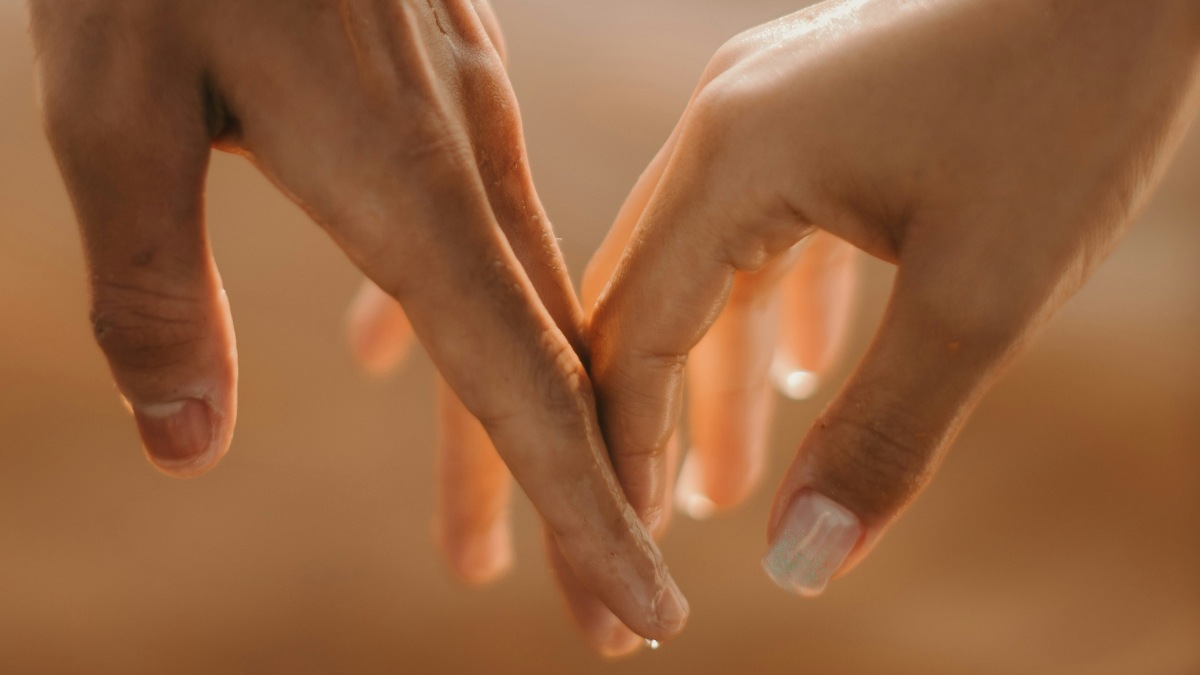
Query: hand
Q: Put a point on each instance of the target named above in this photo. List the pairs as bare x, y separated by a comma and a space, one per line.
394, 125
994, 150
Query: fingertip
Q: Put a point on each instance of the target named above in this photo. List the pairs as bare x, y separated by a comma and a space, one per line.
671, 610
603, 632
711, 482
663, 616
666, 619
793, 382
617, 641
811, 544
690, 499
375, 359
480, 558
377, 330
181, 438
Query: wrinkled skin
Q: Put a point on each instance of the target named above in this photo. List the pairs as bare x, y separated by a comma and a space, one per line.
393, 124
993, 150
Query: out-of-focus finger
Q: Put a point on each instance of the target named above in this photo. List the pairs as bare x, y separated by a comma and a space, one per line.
380, 334
730, 401
819, 294
602, 630
472, 523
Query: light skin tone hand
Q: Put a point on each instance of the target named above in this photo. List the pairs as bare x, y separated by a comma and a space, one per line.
993, 150
395, 127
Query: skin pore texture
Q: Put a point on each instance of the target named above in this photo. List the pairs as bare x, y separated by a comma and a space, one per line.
994, 150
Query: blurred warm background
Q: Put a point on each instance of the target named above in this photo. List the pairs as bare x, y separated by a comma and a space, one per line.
1062, 534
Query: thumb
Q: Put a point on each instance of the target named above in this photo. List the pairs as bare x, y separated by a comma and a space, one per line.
878, 443
133, 151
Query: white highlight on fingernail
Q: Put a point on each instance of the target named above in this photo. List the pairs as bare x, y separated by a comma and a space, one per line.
161, 410
814, 539
688, 498
652, 644
793, 382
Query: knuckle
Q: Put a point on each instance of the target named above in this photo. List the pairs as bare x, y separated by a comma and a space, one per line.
480, 39
143, 329
559, 394
478, 62
876, 462
726, 101
729, 55
743, 206
719, 108
564, 382
432, 140
493, 117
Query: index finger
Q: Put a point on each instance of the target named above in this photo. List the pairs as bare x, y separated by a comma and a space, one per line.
436, 246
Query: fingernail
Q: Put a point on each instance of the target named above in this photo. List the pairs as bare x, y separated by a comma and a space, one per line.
794, 383
670, 608
689, 499
177, 435
815, 537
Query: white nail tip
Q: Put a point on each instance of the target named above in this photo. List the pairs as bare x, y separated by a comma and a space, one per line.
688, 499
797, 385
161, 410
814, 539
697, 506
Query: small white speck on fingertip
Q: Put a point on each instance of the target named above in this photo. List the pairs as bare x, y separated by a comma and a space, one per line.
652, 644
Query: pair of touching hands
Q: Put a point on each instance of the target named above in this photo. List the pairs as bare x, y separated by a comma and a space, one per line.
994, 150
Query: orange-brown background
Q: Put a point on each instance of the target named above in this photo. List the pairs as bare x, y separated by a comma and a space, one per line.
1062, 534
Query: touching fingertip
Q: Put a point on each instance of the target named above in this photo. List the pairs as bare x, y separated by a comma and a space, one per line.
670, 608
